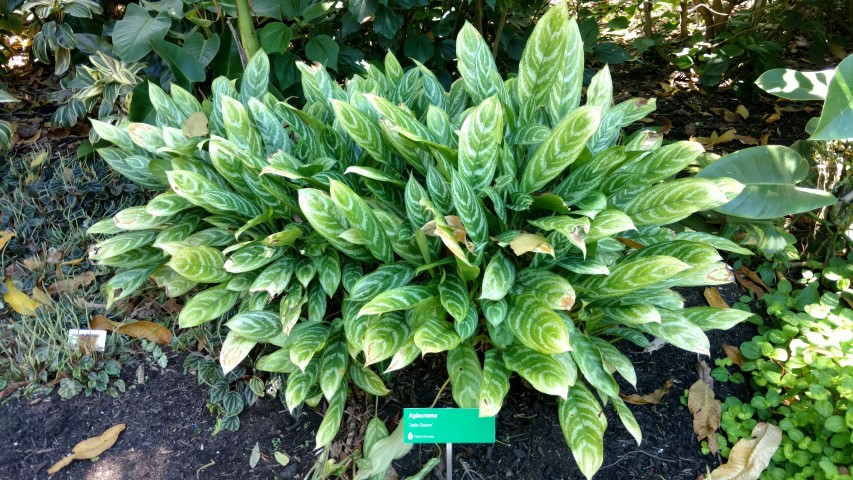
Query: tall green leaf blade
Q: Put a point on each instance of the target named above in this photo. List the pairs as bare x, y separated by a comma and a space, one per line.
466, 377
334, 362
259, 326
535, 325
200, 264
480, 143
400, 298
362, 218
470, 209
565, 94
632, 274
544, 372
588, 358
560, 149
477, 66
543, 56
454, 296
331, 424
583, 423
495, 384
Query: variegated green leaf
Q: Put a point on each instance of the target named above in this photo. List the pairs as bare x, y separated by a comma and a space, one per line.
608, 223
367, 380
495, 384
549, 287
560, 149
363, 130
587, 177
259, 325
305, 271
329, 268
308, 338
439, 190
275, 278
616, 359
719, 243
238, 128
480, 144
691, 253
383, 279
570, 227
234, 349
200, 264
632, 274
588, 358
400, 298
208, 195
322, 213
137, 218
167, 204
252, 257
350, 274
467, 326
498, 278
362, 218
543, 56
535, 325
318, 302
454, 296
583, 423
331, 424
711, 318
133, 167
470, 209
676, 329
334, 363
631, 314
241, 283
659, 165
147, 137
256, 78
115, 246
270, 127
628, 419
477, 66
173, 285
672, 201
206, 306
384, 336
544, 372
466, 377
277, 362
565, 93
127, 282
141, 257
436, 335
299, 385
103, 227
407, 354
494, 310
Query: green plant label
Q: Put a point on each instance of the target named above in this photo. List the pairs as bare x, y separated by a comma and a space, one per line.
447, 425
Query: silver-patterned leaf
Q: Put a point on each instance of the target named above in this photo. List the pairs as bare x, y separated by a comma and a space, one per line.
362, 218
673, 201
400, 298
536, 325
277, 362
331, 424
628, 419
454, 296
466, 377
588, 358
334, 363
543, 56
167, 204
322, 213
329, 268
583, 423
467, 327
234, 349
711, 318
275, 278
299, 385
252, 257
308, 338
676, 329
200, 264
498, 278
470, 209
206, 306
480, 144
494, 311
551, 288
383, 279
632, 274
435, 334
119, 244
544, 372
407, 354
495, 384
616, 359
367, 380
259, 325
384, 336
209, 195
477, 66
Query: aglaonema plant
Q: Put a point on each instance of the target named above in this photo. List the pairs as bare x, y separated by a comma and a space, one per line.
500, 224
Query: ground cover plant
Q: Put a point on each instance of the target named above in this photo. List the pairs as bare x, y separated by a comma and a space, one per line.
498, 222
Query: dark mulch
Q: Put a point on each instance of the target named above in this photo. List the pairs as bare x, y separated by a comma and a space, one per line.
169, 429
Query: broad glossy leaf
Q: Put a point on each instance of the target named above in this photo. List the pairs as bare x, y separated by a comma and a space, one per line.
362, 218
632, 274
331, 424
477, 66
252, 257
454, 296
186, 69
259, 326
466, 377
206, 305
480, 143
384, 336
208, 195
200, 264
367, 380
560, 149
308, 338
676, 329
796, 85
435, 334
711, 318
672, 201
334, 363
837, 114
498, 278
384, 278
278, 362
589, 360
234, 349
495, 384
552, 289
770, 175
275, 278
535, 325
583, 423
544, 372
132, 33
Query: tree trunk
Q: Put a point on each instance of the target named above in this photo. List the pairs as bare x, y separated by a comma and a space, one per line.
246, 25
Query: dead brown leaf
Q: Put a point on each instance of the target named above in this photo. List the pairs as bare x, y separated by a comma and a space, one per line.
630, 243
745, 282
42, 297
754, 277
649, 398
90, 448
704, 372
666, 125
71, 285
765, 138
712, 296
746, 139
35, 138
142, 329
749, 457
706, 412
734, 354
172, 306
726, 114
716, 139
772, 118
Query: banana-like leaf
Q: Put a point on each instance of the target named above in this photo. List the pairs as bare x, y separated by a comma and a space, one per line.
495, 384
583, 423
535, 325
466, 377
544, 372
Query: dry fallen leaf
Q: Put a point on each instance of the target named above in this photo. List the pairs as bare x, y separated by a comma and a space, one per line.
530, 242
727, 115
734, 354
765, 138
712, 296
716, 139
706, 412
143, 329
630, 243
742, 111
744, 280
255, 456
43, 298
704, 372
749, 458
649, 398
38, 160
772, 118
5, 237
89, 448
71, 285
754, 277
666, 125
19, 301
746, 139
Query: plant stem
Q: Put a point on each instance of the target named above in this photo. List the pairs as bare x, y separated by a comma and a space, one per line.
498, 33
248, 36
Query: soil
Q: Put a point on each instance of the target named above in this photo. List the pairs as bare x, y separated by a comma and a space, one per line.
169, 431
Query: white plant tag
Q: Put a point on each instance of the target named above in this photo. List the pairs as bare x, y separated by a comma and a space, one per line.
91, 339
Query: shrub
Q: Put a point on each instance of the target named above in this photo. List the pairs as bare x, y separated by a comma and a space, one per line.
498, 222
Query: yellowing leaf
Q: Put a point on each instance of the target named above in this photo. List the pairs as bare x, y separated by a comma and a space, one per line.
712, 296
749, 458
19, 301
5, 237
38, 160
706, 412
531, 242
716, 139
281, 458
146, 330
772, 118
89, 448
195, 125
42, 297
742, 111
649, 398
